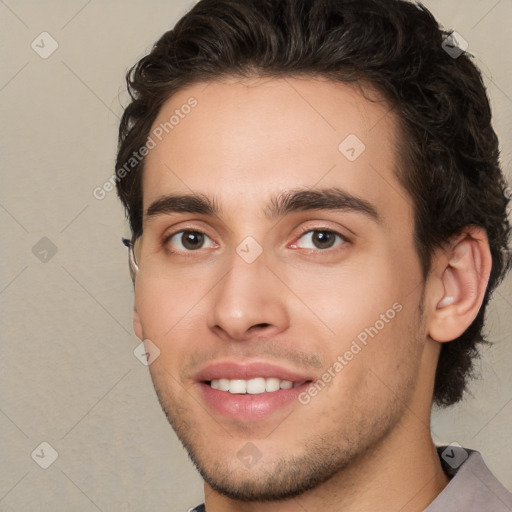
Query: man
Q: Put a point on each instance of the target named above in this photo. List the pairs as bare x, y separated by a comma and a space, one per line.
318, 218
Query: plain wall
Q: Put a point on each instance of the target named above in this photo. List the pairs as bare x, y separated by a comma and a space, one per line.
68, 374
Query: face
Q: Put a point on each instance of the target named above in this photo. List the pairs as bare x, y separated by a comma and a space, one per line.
279, 281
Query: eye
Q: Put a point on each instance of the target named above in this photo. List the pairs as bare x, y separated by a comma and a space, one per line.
186, 240
321, 239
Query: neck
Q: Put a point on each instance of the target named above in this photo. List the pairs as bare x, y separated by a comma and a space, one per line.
402, 473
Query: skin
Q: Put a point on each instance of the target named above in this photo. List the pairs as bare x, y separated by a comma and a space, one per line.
364, 442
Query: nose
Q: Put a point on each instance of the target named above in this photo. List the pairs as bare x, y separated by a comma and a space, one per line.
249, 301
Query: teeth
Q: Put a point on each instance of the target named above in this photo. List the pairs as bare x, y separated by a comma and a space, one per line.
237, 386
272, 384
223, 384
254, 386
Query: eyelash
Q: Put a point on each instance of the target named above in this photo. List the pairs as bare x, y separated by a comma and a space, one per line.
343, 238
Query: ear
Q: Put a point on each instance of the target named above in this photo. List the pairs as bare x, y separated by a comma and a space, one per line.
137, 324
460, 280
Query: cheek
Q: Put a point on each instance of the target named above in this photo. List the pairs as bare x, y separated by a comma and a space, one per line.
373, 370
162, 303
368, 315
168, 315
346, 299
169, 320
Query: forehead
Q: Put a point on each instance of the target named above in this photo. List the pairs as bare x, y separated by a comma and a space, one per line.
245, 140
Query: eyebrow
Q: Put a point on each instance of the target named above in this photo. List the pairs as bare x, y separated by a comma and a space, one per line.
290, 201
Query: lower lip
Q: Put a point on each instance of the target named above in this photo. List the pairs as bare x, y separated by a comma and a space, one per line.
249, 407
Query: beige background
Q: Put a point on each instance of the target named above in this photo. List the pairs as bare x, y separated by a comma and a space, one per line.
68, 373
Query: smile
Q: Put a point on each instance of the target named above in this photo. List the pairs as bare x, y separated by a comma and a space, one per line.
249, 390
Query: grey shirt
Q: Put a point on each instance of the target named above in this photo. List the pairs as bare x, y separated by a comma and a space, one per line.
472, 486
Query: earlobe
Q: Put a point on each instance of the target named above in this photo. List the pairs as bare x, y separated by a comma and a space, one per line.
137, 324
464, 274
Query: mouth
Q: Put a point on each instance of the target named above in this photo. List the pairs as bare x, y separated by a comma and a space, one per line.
249, 391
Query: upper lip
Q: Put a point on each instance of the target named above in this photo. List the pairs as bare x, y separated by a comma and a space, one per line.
248, 370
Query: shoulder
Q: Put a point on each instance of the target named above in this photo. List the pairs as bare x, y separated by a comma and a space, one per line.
472, 488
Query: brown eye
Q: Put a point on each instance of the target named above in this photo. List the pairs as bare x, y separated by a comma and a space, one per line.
321, 239
187, 240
